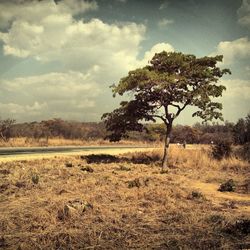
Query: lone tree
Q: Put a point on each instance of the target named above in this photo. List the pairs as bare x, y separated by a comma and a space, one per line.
162, 90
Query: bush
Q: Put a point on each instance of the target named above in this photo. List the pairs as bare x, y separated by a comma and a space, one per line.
245, 152
221, 149
241, 226
138, 182
228, 186
87, 169
101, 158
196, 195
145, 158
35, 178
68, 165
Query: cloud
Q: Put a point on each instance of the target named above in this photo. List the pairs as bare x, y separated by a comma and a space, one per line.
163, 23
34, 11
164, 5
53, 34
236, 98
156, 49
49, 94
13, 108
92, 55
236, 88
234, 51
244, 13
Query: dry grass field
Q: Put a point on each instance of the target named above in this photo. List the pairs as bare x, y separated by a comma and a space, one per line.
30, 142
125, 202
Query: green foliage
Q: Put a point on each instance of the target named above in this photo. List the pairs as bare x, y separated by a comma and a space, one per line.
221, 149
171, 80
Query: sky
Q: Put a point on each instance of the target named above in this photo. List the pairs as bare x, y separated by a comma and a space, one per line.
58, 58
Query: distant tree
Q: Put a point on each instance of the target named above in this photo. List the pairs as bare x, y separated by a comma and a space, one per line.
162, 90
5, 128
241, 130
181, 134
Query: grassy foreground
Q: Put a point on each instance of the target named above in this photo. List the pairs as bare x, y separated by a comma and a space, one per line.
127, 203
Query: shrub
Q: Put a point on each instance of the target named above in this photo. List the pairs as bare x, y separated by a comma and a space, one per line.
100, 158
68, 165
87, 169
216, 219
35, 178
124, 168
134, 183
245, 152
145, 158
138, 182
241, 226
221, 149
196, 195
228, 186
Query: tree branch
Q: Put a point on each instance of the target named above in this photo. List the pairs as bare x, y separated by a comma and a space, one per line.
175, 105
180, 109
161, 117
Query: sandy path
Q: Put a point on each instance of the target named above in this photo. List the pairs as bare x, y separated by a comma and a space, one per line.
210, 190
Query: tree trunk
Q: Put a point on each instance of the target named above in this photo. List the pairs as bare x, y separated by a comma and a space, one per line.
166, 146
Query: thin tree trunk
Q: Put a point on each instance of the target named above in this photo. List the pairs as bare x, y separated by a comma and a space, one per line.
166, 146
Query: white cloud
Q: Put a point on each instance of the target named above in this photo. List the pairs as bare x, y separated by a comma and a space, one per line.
235, 99
163, 23
17, 109
244, 13
34, 11
233, 50
93, 55
156, 49
53, 34
236, 88
45, 95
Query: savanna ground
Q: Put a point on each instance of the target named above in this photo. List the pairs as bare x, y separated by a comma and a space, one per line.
125, 202
54, 141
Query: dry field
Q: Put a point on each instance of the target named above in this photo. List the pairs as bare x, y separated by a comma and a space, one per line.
66, 203
30, 142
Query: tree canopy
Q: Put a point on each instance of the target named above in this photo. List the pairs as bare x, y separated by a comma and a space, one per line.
163, 89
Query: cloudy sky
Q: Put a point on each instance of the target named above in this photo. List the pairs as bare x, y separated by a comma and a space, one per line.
58, 58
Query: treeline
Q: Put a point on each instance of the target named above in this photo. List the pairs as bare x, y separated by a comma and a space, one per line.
59, 128
238, 133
